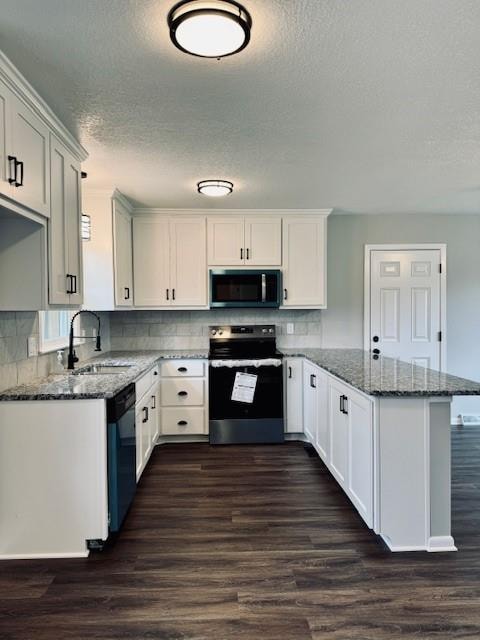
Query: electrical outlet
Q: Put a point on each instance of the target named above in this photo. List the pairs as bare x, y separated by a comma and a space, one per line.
32, 346
290, 328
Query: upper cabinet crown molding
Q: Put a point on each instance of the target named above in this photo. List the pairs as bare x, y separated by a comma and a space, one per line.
232, 212
24, 90
123, 200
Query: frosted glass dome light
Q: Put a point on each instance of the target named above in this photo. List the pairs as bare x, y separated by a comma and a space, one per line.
209, 29
215, 188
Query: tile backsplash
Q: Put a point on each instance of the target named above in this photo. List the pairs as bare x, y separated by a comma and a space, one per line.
189, 329
15, 365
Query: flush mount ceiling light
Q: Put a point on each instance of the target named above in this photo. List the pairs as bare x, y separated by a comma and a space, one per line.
215, 188
210, 28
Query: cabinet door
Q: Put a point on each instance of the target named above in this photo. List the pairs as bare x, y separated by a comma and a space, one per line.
30, 139
294, 395
310, 405
322, 439
155, 415
338, 427
151, 262
6, 167
64, 235
188, 262
73, 224
360, 446
263, 241
122, 256
226, 241
304, 261
59, 285
139, 424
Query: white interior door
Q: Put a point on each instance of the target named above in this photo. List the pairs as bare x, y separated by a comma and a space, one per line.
405, 305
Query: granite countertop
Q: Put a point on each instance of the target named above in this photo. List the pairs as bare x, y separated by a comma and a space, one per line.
70, 386
386, 376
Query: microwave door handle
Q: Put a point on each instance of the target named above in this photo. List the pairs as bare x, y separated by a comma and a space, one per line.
264, 287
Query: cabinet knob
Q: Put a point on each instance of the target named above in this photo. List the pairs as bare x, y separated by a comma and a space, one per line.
182, 423
182, 369
183, 393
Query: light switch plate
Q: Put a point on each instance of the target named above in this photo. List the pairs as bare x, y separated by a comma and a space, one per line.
290, 328
32, 346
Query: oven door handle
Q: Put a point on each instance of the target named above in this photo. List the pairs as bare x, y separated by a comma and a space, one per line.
264, 287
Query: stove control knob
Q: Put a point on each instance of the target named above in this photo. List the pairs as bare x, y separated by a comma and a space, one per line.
270, 330
214, 332
220, 333
264, 330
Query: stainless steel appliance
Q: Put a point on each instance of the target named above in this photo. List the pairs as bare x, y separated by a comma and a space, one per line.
245, 288
245, 385
121, 442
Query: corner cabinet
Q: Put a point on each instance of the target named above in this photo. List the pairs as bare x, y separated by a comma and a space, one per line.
64, 236
305, 261
169, 261
122, 253
252, 240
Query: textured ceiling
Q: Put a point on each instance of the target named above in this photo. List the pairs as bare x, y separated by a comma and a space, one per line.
364, 106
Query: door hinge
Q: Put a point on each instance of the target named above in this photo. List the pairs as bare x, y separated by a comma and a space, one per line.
439, 336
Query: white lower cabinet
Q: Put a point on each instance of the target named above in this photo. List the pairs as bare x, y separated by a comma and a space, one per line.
294, 395
184, 404
338, 422
310, 403
147, 417
360, 447
338, 431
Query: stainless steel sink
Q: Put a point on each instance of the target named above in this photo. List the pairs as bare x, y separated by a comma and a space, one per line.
101, 369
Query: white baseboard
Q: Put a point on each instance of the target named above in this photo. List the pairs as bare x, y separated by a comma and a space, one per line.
43, 556
441, 543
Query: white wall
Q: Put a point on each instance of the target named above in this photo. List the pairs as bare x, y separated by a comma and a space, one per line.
342, 322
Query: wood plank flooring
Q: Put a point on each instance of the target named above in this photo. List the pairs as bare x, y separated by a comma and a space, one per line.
253, 542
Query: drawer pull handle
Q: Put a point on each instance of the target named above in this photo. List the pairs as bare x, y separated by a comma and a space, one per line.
182, 369
183, 393
145, 414
182, 423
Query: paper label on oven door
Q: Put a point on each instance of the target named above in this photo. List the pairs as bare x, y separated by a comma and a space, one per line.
244, 387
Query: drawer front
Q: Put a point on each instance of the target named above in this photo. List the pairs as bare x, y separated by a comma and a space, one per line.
179, 421
145, 382
184, 392
183, 368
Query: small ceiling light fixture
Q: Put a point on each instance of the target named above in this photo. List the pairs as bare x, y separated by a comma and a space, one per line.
210, 28
215, 188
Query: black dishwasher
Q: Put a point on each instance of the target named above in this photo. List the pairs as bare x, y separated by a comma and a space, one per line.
121, 450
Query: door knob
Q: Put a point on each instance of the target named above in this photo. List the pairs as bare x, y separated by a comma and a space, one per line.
375, 338
376, 351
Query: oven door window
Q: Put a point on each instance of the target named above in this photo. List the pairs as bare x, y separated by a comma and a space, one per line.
267, 400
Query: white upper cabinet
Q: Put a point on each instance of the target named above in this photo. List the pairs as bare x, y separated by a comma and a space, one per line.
188, 259
304, 261
169, 261
6, 167
64, 239
151, 261
251, 241
24, 154
263, 241
122, 254
226, 241
30, 148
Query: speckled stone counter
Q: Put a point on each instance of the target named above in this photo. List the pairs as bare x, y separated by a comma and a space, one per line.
385, 376
71, 386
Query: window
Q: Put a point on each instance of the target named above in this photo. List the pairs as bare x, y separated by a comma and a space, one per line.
54, 327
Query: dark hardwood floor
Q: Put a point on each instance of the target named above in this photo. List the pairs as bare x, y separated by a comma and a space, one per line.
253, 542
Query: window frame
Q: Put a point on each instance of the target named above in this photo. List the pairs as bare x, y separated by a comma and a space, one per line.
49, 345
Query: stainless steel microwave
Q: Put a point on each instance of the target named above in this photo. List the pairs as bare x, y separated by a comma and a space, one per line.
245, 288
